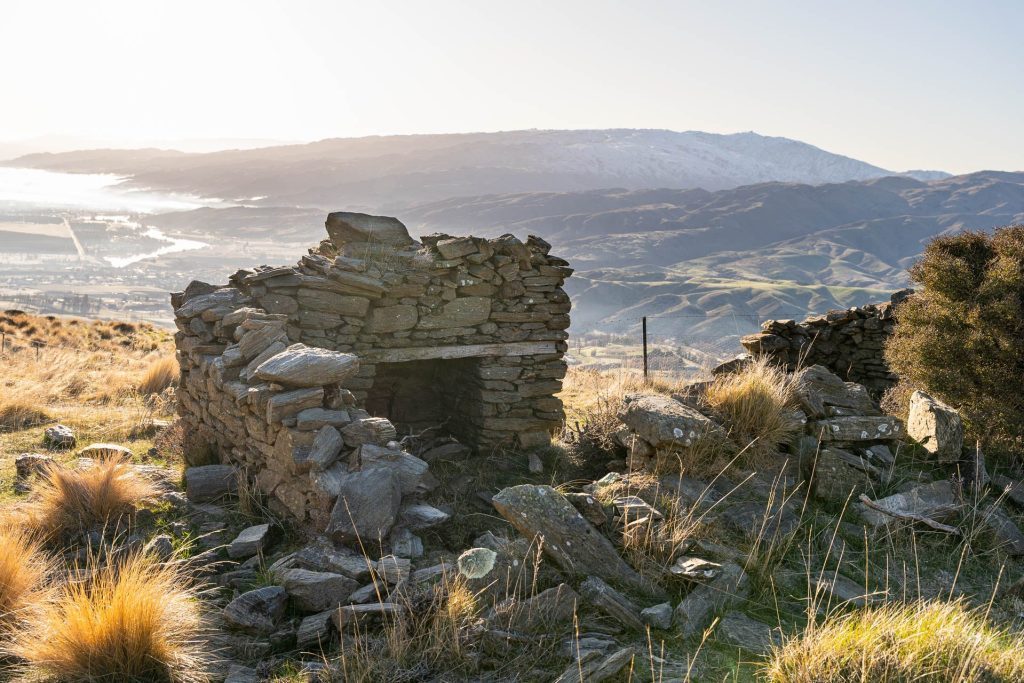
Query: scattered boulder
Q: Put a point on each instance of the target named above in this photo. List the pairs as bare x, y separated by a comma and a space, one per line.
317, 591
936, 426
664, 422
254, 540
59, 437
935, 502
314, 631
658, 616
105, 450
548, 609
28, 465
257, 610
596, 667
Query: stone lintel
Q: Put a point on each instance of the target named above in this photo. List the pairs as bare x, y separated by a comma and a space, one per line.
461, 351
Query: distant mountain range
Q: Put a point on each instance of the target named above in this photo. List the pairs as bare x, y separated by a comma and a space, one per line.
397, 171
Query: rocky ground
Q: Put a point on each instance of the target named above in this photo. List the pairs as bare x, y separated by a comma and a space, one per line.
672, 554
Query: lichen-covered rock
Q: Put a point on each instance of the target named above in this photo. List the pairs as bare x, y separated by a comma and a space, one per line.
59, 436
312, 591
936, 426
664, 422
345, 227
305, 366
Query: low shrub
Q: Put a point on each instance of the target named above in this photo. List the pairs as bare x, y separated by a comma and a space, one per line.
68, 501
961, 337
928, 642
132, 620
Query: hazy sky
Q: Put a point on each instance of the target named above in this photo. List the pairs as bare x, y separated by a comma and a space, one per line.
922, 84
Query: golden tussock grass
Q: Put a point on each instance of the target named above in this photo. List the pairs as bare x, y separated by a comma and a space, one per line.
68, 500
21, 408
136, 619
927, 642
24, 569
161, 373
756, 405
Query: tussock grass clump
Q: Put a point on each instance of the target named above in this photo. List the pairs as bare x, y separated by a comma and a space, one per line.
68, 501
160, 374
23, 573
928, 642
20, 408
756, 404
133, 620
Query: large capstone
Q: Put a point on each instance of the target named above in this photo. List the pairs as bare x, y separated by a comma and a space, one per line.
345, 227
306, 366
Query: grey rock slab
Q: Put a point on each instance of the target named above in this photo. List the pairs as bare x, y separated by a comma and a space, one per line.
596, 668
314, 631
856, 428
422, 516
739, 630
664, 422
241, 674
695, 568
389, 319
288, 403
935, 501
694, 612
611, 602
467, 311
407, 468
338, 560
345, 227
326, 448
257, 610
657, 616
405, 543
312, 591
372, 430
1005, 534
817, 388
352, 615
936, 426
543, 611
367, 506
306, 366
572, 542
226, 299
252, 343
312, 419
207, 483
251, 541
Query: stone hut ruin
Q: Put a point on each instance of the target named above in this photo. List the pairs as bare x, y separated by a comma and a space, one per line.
374, 336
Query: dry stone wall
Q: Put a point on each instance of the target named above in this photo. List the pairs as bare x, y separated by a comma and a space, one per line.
305, 374
848, 342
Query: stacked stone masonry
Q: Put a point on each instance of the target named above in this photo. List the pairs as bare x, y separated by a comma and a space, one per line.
849, 342
462, 333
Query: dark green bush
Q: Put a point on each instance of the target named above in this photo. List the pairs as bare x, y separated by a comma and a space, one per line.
961, 337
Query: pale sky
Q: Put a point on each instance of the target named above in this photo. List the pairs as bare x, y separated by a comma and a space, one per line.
914, 84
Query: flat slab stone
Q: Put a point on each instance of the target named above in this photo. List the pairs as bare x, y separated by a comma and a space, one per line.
571, 541
307, 366
936, 426
345, 226
663, 421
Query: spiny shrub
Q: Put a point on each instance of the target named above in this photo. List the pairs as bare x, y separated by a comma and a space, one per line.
131, 620
68, 501
961, 337
929, 642
23, 572
756, 405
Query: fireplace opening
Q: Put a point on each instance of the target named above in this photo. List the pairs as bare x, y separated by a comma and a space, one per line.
426, 394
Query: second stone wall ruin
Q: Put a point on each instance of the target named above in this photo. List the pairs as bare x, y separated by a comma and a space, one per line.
848, 342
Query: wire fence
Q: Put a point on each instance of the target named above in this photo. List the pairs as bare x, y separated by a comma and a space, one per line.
676, 347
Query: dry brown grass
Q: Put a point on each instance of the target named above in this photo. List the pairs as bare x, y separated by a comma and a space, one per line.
133, 620
430, 638
755, 404
25, 329
928, 642
161, 373
67, 501
21, 408
24, 569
